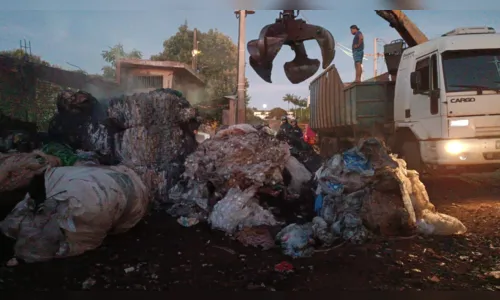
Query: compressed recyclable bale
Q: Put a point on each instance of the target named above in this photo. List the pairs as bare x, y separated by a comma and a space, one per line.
17, 169
151, 146
162, 107
83, 205
158, 134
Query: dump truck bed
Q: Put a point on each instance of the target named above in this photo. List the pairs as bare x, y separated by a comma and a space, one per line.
343, 109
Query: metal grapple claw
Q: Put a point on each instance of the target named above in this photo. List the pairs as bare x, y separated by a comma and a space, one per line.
292, 32
301, 67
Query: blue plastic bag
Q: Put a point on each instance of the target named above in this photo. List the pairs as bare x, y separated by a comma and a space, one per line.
318, 203
355, 162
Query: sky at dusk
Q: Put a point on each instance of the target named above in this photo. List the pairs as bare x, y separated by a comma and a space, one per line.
64, 33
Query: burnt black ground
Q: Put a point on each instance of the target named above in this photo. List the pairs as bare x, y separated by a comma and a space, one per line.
166, 256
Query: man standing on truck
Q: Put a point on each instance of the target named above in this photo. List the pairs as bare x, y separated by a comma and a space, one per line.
358, 51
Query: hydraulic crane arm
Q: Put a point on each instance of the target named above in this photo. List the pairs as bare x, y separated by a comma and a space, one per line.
293, 32
408, 31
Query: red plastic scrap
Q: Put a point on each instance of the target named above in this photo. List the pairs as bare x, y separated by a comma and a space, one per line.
284, 267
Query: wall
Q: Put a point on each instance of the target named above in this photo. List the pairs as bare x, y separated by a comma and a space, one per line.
17, 94
127, 74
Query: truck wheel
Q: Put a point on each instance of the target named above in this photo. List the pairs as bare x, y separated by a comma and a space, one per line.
410, 152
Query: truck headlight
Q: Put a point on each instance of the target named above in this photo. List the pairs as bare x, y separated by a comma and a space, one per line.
454, 147
459, 123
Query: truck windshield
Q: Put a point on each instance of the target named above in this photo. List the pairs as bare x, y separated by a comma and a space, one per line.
467, 70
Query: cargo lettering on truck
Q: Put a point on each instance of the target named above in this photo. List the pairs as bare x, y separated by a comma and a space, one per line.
462, 100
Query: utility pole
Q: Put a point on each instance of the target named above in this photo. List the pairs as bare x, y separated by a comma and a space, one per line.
375, 57
194, 61
241, 109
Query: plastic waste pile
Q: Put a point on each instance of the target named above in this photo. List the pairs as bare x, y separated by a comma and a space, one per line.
80, 123
156, 133
364, 192
81, 206
150, 132
111, 160
225, 174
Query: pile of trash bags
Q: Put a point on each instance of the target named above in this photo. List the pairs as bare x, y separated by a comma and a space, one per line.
366, 192
98, 169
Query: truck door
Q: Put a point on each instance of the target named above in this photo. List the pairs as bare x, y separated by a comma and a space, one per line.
425, 104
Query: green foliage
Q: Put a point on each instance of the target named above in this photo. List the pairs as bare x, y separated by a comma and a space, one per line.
295, 100
277, 113
112, 55
216, 63
23, 56
302, 114
17, 104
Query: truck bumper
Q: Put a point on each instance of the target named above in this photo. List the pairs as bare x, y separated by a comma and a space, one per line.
462, 152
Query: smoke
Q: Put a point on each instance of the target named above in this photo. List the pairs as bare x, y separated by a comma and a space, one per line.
102, 94
192, 92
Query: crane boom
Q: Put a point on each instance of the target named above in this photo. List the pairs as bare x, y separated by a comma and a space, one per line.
408, 31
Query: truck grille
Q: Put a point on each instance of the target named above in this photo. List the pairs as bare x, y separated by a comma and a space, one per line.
487, 131
491, 155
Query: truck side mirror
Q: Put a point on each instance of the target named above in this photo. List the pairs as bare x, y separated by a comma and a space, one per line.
415, 80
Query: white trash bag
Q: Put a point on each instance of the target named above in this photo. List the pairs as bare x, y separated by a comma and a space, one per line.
83, 205
239, 209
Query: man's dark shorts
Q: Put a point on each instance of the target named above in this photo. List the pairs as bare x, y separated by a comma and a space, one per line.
358, 56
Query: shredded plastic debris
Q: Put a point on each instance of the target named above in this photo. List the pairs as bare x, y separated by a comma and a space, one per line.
297, 240
225, 173
239, 209
300, 175
284, 267
258, 236
367, 191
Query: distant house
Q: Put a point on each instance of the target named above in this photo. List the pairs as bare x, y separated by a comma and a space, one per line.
264, 114
140, 75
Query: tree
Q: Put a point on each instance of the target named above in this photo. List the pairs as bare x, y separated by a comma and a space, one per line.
277, 113
251, 118
217, 61
112, 55
295, 100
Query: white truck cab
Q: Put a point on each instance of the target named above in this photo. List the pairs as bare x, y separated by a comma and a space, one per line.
448, 96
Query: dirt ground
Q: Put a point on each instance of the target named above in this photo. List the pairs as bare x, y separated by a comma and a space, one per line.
161, 255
